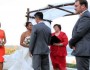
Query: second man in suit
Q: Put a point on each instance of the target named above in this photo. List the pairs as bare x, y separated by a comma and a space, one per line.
80, 41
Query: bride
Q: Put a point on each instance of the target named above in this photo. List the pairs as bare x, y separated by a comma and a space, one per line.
22, 59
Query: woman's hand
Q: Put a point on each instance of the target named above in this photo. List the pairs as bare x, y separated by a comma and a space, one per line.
58, 44
3, 43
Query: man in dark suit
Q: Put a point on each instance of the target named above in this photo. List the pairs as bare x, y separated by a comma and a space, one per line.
80, 41
40, 39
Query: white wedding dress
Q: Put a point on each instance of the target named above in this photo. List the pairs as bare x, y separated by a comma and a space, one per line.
22, 60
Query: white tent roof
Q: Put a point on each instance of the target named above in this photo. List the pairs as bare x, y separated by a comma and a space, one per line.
53, 13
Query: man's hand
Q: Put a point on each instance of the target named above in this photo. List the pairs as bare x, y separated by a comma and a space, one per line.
74, 48
30, 54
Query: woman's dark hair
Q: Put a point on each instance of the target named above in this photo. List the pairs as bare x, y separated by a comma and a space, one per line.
39, 15
83, 2
27, 23
59, 26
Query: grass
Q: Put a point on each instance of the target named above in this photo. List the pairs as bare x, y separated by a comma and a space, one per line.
71, 65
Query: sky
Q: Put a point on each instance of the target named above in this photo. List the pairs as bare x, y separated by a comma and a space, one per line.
12, 17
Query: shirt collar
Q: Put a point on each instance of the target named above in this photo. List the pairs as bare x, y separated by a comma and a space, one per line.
40, 22
83, 12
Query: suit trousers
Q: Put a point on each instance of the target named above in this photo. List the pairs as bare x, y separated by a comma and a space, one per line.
40, 62
82, 62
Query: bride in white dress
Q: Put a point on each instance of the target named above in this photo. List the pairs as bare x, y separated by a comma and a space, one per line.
22, 59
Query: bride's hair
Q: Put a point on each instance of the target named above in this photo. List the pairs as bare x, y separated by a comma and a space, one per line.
27, 23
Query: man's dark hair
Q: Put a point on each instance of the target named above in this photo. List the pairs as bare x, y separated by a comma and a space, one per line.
59, 26
39, 15
83, 2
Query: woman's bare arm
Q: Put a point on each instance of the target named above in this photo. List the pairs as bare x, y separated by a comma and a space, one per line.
22, 40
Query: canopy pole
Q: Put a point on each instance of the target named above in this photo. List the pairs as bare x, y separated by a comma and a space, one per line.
57, 6
27, 16
61, 9
43, 19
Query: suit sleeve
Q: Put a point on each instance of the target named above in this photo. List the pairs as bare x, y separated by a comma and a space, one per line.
65, 39
82, 29
49, 39
32, 39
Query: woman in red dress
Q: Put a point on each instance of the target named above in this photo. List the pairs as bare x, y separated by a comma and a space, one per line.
58, 50
2, 48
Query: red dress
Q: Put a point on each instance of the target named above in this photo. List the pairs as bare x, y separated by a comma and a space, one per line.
2, 49
58, 54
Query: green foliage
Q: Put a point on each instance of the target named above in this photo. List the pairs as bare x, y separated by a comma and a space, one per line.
71, 65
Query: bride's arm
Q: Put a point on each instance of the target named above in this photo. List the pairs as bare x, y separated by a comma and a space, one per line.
22, 40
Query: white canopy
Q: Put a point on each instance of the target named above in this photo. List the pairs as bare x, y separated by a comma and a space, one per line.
53, 11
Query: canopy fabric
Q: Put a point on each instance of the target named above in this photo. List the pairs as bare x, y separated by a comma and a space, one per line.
52, 12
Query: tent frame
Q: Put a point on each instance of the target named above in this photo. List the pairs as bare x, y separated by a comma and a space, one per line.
50, 7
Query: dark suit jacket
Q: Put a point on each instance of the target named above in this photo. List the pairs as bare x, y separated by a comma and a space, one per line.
40, 39
81, 36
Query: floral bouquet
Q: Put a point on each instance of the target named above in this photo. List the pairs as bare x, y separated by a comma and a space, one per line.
27, 41
1, 42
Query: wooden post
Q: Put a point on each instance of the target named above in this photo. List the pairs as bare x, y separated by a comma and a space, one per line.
27, 16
